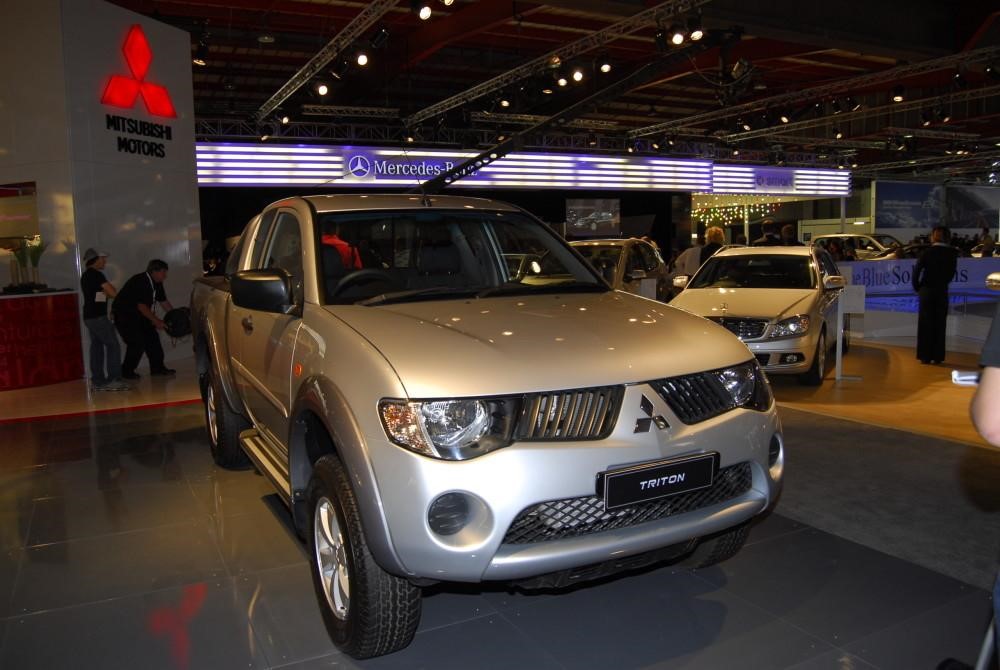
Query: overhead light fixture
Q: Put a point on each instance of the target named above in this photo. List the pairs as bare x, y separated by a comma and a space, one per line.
340, 68
959, 80
504, 102
897, 94
819, 108
992, 70
677, 35
660, 39
362, 58
838, 133
200, 55
577, 75
604, 64
322, 88
835, 107
925, 118
422, 9
592, 140
852, 103
547, 91
785, 116
447, 3
744, 124
265, 38
562, 81
943, 115
734, 151
694, 27
285, 119
379, 37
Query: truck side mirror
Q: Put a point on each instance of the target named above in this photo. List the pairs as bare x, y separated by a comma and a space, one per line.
262, 290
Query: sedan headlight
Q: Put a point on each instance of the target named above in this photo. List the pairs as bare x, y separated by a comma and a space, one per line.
746, 385
453, 430
792, 327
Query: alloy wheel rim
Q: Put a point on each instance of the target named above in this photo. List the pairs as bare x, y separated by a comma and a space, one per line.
331, 558
213, 427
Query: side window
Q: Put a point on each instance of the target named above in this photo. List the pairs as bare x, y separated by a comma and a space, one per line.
285, 251
635, 259
827, 266
233, 262
649, 258
260, 239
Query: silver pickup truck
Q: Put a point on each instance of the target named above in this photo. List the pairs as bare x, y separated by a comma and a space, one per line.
441, 389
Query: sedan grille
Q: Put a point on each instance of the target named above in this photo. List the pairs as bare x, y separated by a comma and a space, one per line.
696, 397
582, 414
745, 329
573, 517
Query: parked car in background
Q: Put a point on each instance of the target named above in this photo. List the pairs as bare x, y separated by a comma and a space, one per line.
863, 246
440, 389
631, 265
781, 301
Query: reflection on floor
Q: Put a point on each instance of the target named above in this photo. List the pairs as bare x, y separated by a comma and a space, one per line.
123, 546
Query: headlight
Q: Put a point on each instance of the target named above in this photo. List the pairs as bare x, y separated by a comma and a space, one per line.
453, 430
792, 327
746, 385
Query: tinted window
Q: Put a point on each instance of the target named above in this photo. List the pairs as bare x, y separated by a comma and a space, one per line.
285, 251
260, 238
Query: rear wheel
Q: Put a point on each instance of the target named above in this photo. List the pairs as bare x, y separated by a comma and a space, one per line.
223, 425
367, 611
814, 376
717, 548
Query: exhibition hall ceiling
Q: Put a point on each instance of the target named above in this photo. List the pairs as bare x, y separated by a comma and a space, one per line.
906, 89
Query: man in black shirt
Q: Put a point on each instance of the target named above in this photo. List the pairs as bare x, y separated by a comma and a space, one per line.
97, 290
931, 276
769, 237
137, 323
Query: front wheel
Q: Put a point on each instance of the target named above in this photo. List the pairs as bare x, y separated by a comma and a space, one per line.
223, 425
814, 376
367, 611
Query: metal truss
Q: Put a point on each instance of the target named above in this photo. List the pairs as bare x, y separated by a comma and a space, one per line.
830, 142
868, 112
933, 134
932, 161
345, 110
572, 50
369, 15
535, 119
842, 86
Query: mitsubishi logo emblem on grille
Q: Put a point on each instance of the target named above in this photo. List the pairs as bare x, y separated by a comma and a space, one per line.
644, 424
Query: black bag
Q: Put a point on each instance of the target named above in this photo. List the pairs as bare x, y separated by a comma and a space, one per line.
178, 322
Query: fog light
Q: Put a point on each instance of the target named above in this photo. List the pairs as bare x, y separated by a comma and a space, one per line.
448, 514
792, 358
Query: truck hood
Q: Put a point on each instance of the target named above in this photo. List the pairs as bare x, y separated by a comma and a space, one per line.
510, 345
759, 303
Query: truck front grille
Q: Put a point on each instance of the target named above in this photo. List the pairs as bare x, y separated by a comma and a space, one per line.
581, 414
696, 397
745, 329
574, 517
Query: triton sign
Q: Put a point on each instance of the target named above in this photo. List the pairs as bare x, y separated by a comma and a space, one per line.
123, 91
378, 165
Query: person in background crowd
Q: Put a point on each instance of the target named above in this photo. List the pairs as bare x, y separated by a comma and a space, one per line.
769, 238
715, 237
931, 275
740, 239
788, 238
104, 347
689, 260
137, 322
989, 244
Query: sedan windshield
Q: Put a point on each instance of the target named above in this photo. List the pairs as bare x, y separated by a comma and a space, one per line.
383, 257
755, 271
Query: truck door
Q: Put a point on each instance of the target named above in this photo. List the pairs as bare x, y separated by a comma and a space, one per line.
268, 340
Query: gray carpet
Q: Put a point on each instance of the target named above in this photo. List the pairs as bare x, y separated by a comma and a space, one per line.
926, 500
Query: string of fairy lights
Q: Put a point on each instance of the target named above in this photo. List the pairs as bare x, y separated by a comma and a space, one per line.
733, 213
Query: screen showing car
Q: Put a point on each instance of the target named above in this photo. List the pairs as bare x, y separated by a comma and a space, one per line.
593, 217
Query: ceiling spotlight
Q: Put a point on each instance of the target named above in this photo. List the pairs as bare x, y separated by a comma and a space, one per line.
819, 108
380, 37
265, 38
285, 119
835, 107
838, 133
562, 81
734, 152
604, 64
547, 91
660, 39
200, 54
897, 94
322, 88
592, 140
447, 3
504, 102
925, 118
577, 74
339, 70
854, 162
694, 28
423, 10
992, 71
943, 116
959, 80
852, 104
677, 35
785, 116
744, 124
362, 58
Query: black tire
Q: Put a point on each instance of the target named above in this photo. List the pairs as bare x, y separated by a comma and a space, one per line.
717, 548
846, 346
367, 611
223, 425
814, 376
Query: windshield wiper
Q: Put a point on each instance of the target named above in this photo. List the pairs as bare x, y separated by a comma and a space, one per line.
532, 289
417, 294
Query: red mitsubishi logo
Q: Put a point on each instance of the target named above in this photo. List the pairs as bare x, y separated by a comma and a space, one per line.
122, 91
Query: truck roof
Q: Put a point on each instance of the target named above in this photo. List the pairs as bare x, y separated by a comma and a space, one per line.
354, 201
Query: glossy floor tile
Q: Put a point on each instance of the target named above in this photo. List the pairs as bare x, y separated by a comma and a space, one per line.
123, 546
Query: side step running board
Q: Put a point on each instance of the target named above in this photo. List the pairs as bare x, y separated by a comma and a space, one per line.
261, 453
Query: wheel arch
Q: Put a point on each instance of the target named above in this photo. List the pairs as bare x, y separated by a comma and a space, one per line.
322, 424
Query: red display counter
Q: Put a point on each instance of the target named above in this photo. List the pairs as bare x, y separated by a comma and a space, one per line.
39, 339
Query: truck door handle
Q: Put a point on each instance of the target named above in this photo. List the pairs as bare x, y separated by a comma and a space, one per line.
247, 324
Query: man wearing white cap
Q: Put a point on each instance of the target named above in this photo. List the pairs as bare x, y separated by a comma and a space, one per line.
104, 347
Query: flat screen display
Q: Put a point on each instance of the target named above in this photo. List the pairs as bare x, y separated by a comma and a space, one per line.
593, 217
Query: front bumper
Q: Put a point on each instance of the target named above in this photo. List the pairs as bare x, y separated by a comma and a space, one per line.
792, 355
501, 484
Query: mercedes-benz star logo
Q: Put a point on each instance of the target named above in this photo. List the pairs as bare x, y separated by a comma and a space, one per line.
359, 166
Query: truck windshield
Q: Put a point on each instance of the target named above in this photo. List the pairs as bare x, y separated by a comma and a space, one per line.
401, 255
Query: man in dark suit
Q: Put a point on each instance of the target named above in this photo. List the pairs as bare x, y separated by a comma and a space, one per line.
769, 237
931, 276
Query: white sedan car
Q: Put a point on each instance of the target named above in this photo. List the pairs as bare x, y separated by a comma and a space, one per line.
781, 301
631, 265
